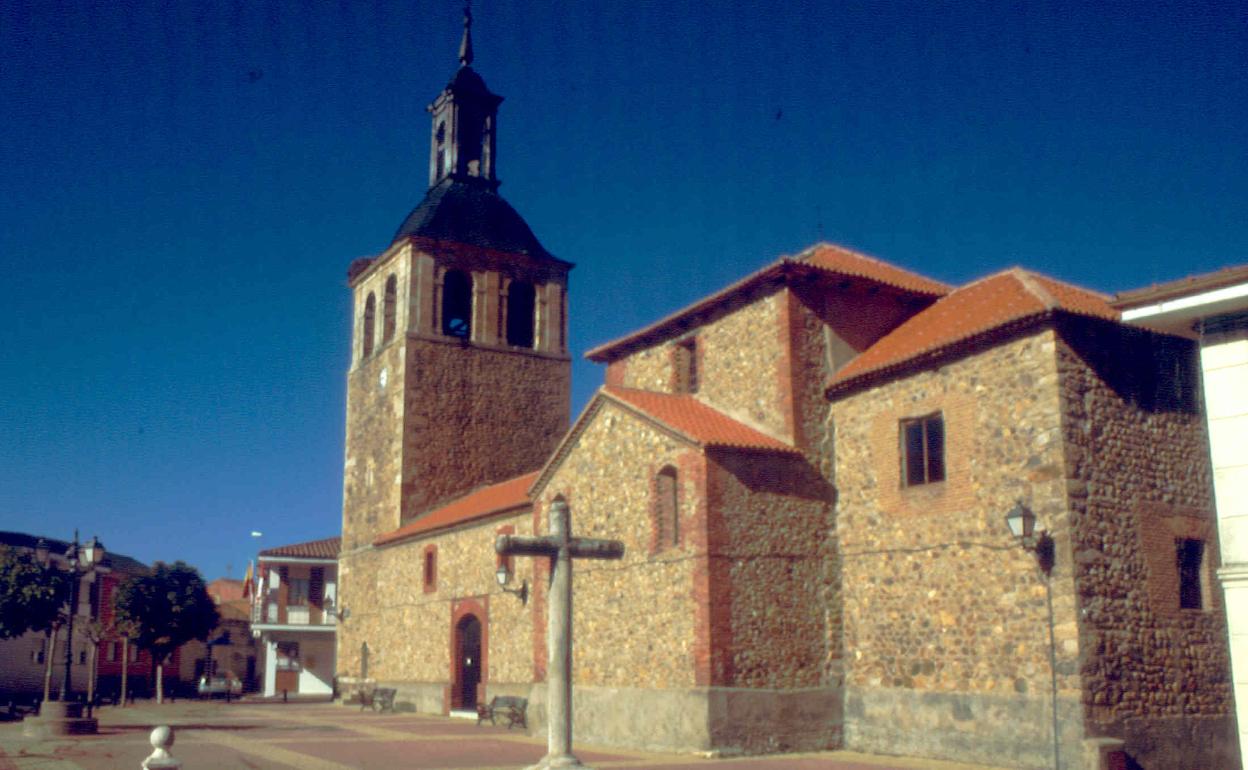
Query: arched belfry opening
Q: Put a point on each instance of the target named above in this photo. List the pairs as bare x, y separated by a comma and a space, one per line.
457, 304
390, 309
467, 674
370, 321
521, 304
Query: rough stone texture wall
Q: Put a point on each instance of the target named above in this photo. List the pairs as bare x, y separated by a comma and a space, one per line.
477, 415
1154, 675
944, 615
408, 630
371, 471
633, 620
430, 417
768, 517
745, 340
716, 642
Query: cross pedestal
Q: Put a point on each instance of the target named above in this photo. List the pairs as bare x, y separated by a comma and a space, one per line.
561, 548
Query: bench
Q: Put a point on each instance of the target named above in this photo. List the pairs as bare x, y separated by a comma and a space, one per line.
509, 707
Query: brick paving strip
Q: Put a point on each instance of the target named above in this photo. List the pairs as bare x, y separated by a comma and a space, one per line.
323, 737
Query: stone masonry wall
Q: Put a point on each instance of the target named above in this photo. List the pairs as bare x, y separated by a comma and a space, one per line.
408, 630
769, 515
746, 340
1155, 675
945, 622
375, 386
477, 415
633, 620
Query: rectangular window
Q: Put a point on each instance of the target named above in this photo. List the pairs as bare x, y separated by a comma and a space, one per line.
298, 596
134, 654
1189, 554
112, 652
685, 362
922, 450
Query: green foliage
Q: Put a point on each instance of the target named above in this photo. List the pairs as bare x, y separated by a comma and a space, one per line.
165, 609
31, 598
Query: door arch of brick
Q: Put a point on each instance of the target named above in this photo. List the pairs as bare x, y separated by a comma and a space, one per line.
469, 653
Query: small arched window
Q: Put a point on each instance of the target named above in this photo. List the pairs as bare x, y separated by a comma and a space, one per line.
666, 509
370, 320
389, 309
457, 304
430, 569
521, 300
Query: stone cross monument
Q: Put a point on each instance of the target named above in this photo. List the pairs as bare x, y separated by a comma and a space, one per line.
561, 548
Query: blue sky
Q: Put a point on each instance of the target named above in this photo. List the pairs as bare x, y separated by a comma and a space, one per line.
182, 186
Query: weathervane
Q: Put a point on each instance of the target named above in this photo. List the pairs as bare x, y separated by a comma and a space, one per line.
465, 45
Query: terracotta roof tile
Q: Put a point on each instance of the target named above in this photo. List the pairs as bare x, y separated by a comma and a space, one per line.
823, 259
313, 549
843, 261
988, 304
694, 420
509, 495
1193, 284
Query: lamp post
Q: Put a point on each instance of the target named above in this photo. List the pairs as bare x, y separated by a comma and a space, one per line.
82, 561
503, 576
64, 717
1022, 523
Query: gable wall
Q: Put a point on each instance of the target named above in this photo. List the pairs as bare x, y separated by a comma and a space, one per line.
742, 364
945, 622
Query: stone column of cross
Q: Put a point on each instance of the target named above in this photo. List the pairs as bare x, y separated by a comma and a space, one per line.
561, 548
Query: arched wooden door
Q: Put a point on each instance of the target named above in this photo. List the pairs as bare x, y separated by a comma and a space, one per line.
467, 662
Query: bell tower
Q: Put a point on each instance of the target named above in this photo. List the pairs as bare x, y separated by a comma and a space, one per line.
464, 115
459, 373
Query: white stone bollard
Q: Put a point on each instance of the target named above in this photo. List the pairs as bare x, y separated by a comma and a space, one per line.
162, 739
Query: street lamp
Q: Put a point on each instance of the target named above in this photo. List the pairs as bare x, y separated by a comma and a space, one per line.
81, 561
503, 575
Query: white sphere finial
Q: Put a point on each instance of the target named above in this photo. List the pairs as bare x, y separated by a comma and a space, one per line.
162, 740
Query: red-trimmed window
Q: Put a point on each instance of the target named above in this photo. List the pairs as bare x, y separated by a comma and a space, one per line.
922, 450
666, 508
431, 569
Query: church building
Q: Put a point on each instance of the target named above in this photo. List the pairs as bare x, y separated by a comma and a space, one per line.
811, 471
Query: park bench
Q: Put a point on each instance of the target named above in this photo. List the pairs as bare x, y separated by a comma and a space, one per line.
378, 699
509, 707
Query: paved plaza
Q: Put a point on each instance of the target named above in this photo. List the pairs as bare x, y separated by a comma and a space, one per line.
321, 736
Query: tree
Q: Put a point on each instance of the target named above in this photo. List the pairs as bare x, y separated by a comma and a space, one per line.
32, 598
166, 608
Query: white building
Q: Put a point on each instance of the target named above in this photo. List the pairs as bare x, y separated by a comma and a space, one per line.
295, 615
1213, 308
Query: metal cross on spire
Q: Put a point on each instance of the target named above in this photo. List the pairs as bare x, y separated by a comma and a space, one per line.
465, 45
561, 548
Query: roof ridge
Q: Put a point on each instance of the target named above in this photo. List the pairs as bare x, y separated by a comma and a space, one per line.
1033, 287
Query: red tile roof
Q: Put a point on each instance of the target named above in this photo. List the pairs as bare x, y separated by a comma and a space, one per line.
1194, 284
824, 259
694, 421
1011, 297
843, 261
506, 496
313, 549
